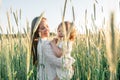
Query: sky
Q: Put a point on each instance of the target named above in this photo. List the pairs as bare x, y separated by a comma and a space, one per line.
53, 12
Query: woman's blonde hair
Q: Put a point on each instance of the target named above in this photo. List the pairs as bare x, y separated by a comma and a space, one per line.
70, 30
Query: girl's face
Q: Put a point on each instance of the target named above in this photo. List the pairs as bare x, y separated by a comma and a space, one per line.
43, 29
60, 32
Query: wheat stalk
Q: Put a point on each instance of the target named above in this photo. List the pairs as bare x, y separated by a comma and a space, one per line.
111, 48
64, 29
37, 23
9, 24
15, 17
94, 11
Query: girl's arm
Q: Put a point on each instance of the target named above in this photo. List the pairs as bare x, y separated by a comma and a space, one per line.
50, 56
57, 51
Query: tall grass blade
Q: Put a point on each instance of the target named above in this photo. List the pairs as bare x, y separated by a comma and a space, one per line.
73, 12
64, 10
111, 48
119, 5
102, 9
20, 14
86, 22
9, 24
16, 18
94, 11
37, 23
1, 29
96, 1
63, 25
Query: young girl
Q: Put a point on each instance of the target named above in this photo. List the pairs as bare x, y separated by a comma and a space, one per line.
63, 49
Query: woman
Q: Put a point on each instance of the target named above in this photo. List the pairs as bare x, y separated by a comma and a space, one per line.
43, 55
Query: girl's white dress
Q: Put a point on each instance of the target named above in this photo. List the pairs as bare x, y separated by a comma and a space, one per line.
66, 71
47, 61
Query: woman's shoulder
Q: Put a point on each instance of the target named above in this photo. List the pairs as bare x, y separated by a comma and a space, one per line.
43, 43
46, 43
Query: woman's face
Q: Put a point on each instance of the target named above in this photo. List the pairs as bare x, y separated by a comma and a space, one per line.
43, 29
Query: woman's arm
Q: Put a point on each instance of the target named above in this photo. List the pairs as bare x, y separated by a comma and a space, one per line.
50, 56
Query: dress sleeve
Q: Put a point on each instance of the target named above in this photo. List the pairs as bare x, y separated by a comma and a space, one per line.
50, 57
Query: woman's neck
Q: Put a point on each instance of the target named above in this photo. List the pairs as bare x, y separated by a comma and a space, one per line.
45, 38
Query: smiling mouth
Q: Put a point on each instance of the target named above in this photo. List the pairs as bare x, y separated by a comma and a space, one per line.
46, 33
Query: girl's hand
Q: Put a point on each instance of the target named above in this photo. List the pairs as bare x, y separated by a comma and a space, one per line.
56, 78
55, 40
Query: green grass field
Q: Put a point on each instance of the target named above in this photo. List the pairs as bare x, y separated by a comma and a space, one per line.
91, 60
97, 52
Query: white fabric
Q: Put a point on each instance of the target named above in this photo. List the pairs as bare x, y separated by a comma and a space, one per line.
41, 74
47, 58
66, 72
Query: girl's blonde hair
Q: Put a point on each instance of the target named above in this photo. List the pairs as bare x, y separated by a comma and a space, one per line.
70, 30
